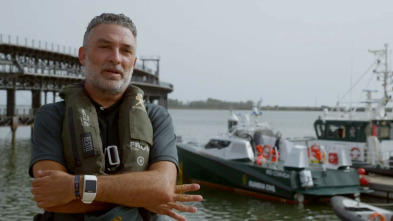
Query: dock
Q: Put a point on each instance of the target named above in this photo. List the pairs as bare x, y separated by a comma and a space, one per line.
382, 185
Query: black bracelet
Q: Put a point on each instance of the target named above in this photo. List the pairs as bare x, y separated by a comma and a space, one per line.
76, 186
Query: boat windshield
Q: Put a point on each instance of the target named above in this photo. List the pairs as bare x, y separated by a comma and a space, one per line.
356, 131
217, 144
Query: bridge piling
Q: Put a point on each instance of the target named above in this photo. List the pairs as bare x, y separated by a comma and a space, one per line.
11, 101
14, 126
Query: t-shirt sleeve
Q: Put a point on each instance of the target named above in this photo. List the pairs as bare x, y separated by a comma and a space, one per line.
46, 140
164, 138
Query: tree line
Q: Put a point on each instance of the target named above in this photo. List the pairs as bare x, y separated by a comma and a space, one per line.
210, 103
216, 104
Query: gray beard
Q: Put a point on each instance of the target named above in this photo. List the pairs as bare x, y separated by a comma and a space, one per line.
103, 86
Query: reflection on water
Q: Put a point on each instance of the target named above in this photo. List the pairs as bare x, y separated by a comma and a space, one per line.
219, 205
16, 201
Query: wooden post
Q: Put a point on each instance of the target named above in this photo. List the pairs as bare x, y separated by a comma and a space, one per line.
14, 126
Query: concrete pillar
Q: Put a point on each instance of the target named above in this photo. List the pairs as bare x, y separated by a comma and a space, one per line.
45, 97
14, 126
11, 102
11, 112
36, 98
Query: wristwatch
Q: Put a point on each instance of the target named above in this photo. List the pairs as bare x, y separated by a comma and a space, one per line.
89, 189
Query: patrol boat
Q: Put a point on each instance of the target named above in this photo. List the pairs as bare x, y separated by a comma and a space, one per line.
366, 135
251, 159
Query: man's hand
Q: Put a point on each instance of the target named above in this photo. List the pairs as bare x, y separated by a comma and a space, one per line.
166, 209
52, 188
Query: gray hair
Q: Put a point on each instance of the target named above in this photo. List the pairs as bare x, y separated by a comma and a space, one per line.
109, 18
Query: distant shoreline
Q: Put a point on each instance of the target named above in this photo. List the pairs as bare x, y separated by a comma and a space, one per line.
268, 108
215, 104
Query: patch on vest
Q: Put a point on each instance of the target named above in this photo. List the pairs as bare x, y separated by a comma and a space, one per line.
140, 160
141, 103
87, 144
138, 146
85, 119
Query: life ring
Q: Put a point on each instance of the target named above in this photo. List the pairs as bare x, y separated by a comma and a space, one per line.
377, 217
355, 153
267, 150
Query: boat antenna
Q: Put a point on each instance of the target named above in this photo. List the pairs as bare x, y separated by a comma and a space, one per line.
350, 89
385, 72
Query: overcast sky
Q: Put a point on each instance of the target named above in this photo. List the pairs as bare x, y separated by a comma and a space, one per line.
293, 53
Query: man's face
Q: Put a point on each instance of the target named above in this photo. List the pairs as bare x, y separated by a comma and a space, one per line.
109, 59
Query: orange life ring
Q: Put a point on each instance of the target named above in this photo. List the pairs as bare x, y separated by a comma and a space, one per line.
355, 152
377, 217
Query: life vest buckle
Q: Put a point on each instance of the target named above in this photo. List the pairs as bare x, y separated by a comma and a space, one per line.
113, 155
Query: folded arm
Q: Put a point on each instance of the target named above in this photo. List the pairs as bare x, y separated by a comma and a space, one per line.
53, 190
54, 187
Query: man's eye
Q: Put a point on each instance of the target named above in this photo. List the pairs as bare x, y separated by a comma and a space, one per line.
127, 51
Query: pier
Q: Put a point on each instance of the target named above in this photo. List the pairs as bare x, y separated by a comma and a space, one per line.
44, 68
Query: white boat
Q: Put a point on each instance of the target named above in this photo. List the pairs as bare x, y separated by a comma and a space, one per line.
353, 210
366, 136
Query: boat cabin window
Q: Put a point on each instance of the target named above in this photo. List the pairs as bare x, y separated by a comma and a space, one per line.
384, 132
335, 131
391, 131
320, 129
383, 129
341, 130
217, 144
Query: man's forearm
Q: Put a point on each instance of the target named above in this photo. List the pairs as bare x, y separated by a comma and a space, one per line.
139, 189
76, 206
54, 189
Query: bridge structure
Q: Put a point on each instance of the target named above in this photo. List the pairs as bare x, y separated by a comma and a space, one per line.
44, 70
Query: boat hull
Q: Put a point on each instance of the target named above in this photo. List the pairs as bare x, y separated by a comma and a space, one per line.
251, 179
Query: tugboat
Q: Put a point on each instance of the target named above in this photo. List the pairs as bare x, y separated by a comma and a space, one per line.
367, 136
251, 159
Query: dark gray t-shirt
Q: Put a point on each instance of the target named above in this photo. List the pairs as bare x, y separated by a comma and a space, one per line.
48, 123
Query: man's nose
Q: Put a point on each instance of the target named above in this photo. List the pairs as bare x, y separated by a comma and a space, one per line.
115, 56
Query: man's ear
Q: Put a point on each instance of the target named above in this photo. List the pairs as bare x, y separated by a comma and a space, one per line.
82, 56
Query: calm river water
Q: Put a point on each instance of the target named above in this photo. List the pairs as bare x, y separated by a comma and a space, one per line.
191, 125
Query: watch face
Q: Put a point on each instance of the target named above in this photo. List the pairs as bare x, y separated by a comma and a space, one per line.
90, 186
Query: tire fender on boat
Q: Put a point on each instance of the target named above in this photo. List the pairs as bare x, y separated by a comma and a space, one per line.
299, 197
